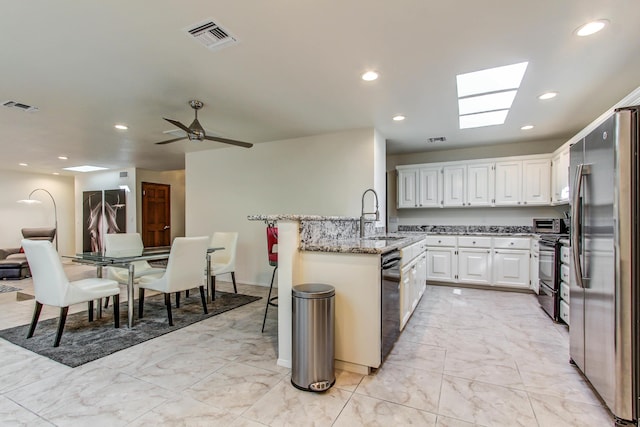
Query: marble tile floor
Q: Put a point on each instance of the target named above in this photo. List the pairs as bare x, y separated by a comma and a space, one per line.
468, 357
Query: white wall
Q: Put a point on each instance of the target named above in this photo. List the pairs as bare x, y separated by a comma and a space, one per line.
15, 216
173, 178
104, 180
469, 216
316, 175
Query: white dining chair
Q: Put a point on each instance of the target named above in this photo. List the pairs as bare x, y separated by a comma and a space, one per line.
125, 245
187, 259
52, 287
223, 261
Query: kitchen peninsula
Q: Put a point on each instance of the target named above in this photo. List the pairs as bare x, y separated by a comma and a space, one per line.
326, 249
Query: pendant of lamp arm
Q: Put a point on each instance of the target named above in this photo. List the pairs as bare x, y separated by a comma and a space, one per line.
31, 201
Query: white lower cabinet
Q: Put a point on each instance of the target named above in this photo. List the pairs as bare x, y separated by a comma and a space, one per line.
481, 260
474, 266
511, 268
413, 278
441, 264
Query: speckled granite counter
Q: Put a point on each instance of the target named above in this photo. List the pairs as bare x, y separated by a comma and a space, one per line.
339, 234
371, 245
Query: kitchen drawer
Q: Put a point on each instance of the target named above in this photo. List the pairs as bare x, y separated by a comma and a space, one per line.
565, 273
441, 240
565, 254
510, 243
474, 242
564, 291
564, 312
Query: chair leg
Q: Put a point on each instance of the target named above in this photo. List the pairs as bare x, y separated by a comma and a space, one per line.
116, 310
140, 302
186, 293
34, 321
212, 297
90, 310
177, 299
266, 309
167, 302
204, 300
106, 302
233, 279
61, 322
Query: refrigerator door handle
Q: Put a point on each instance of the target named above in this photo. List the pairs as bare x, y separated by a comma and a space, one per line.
581, 170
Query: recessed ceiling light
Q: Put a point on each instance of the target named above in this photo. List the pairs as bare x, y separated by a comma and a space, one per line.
527, 127
85, 168
548, 95
369, 76
121, 127
591, 27
56, 173
23, 164
483, 119
63, 157
399, 118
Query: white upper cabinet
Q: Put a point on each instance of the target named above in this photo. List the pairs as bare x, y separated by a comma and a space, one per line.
454, 177
509, 183
480, 184
420, 187
408, 188
560, 177
429, 187
536, 182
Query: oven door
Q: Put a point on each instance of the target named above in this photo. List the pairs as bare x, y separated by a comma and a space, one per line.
547, 264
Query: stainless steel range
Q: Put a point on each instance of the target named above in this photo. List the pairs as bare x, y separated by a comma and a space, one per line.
549, 274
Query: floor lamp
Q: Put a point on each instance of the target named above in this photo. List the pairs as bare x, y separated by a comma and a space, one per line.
31, 201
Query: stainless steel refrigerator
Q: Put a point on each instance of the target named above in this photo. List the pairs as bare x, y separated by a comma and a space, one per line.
604, 242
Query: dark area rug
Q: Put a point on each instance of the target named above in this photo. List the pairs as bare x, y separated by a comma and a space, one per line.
7, 288
83, 341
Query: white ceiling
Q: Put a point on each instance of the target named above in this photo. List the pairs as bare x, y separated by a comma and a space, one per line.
295, 72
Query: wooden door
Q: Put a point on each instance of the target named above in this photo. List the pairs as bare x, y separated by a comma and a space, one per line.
156, 214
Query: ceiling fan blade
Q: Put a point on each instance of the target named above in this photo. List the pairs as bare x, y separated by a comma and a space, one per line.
180, 125
229, 141
171, 140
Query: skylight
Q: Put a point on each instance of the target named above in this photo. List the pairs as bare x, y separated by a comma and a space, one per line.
482, 103
483, 119
85, 168
485, 96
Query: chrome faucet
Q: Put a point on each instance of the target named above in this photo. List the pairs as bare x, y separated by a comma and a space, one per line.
363, 213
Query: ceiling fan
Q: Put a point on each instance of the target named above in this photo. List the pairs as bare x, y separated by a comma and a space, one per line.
195, 132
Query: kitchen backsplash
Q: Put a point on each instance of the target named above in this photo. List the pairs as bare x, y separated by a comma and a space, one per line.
312, 231
466, 229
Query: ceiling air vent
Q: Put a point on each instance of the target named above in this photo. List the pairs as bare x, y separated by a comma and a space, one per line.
437, 139
20, 106
211, 35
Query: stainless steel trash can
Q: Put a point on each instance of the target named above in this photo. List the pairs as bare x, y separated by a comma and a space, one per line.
313, 337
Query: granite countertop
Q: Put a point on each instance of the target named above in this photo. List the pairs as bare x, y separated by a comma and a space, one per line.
296, 217
368, 245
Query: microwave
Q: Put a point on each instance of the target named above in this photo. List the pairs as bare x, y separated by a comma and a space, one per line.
550, 225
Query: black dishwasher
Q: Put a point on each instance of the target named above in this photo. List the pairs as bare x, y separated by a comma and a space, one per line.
390, 300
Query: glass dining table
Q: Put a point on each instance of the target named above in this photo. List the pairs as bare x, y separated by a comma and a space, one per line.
150, 254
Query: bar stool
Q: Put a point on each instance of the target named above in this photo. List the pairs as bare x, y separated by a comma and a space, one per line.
272, 252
